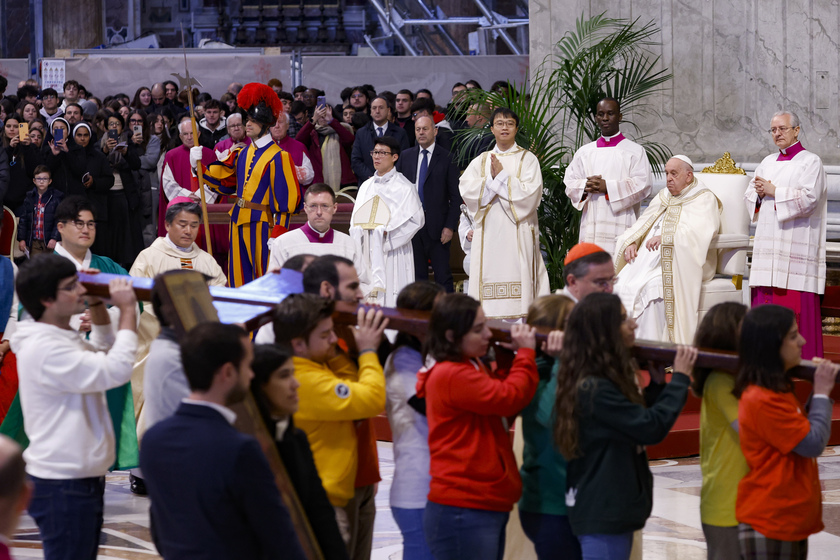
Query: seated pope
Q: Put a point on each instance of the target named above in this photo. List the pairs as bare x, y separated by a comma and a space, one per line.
663, 259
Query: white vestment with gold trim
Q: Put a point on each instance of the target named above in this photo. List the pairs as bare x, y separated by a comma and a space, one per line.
386, 249
673, 273
507, 271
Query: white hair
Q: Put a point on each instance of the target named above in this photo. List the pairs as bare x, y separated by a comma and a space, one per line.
235, 115
181, 124
794, 118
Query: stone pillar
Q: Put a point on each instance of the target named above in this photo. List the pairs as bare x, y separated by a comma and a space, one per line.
72, 24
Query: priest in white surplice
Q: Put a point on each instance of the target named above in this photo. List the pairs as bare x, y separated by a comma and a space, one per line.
502, 189
663, 259
787, 200
607, 180
386, 247
316, 237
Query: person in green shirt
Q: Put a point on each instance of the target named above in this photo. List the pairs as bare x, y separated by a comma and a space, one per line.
721, 460
542, 508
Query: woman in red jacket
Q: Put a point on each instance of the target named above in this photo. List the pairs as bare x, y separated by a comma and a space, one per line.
475, 480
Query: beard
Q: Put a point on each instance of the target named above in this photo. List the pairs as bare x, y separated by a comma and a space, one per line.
236, 395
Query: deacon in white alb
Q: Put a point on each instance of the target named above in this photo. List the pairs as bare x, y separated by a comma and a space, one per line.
607, 180
787, 199
502, 189
386, 243
663, 259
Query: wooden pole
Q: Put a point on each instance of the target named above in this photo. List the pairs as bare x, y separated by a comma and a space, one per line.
199, 167
417, 323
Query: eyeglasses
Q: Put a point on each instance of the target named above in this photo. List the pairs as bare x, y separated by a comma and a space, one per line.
378, 153
357, 96
781, 129
42, 179
71, 287
49, 97
80, 225
321, 207
136, 121
605, 283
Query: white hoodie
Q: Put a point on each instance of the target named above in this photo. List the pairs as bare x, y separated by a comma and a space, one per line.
63, 380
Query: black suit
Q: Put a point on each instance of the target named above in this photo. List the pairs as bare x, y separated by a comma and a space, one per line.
213, 494
441, 205
366, 137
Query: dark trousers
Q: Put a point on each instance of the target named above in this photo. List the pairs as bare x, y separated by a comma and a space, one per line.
361, 512
427, 249
551, 534
69, 516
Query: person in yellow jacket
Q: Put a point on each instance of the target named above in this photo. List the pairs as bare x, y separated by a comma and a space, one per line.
329, 403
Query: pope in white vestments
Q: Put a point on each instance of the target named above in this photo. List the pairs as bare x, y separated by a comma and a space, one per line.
386, 246
502, 189
664, 258
788, 200
607, 180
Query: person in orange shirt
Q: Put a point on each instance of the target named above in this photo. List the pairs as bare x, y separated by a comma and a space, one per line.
779, 499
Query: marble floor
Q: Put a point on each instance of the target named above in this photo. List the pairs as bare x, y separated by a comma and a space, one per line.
672, 532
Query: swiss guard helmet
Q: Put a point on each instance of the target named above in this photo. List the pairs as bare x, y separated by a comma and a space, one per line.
261, 104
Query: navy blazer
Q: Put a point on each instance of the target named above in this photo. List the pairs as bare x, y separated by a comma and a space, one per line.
213, 494
441, 197
366, 137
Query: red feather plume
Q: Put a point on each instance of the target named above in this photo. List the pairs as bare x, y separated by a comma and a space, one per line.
254, 92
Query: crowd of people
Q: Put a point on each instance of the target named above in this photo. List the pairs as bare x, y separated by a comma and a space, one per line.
116, 186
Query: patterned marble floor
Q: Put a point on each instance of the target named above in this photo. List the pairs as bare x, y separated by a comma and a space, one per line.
673, 531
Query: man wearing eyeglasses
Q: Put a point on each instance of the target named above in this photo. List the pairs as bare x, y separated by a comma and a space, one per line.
502, 189
587, 269
787, 200
49, 106
663, 259
315, 237
386, 215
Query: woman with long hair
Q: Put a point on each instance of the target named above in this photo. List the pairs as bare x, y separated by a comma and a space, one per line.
410, 484
542, 508
721, 460
474, 478
142, 100
779, 500
275, 391
604, 421
23, 158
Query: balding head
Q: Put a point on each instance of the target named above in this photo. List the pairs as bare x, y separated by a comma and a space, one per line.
424, 131
158, 94
15, 491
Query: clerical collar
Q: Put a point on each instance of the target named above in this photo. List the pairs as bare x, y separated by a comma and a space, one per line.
384, 178
788, 153
263, 141
609, 141
176, 247
314, 236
